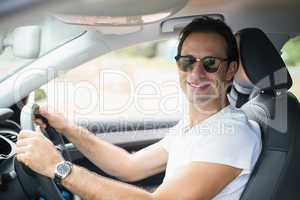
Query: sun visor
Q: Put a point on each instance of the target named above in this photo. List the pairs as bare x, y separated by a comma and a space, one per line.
119, 13
178, 23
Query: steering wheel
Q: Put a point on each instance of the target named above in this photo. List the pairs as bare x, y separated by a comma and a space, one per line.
43, 185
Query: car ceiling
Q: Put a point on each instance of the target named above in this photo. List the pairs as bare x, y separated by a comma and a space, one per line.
275, 16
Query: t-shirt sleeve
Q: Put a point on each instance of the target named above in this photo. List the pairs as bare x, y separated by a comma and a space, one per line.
165, 143
238, 147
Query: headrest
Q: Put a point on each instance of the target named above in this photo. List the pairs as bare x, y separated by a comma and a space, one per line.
262, 62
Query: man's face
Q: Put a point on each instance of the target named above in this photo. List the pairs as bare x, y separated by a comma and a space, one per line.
200, 86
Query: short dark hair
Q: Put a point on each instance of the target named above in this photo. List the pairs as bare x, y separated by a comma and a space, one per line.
207, 24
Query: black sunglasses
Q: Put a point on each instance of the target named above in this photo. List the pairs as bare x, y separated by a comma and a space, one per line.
211, 64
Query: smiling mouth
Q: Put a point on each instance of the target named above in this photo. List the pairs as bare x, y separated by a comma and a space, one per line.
199, 86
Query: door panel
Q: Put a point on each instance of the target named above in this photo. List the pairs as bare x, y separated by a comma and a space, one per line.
131, 136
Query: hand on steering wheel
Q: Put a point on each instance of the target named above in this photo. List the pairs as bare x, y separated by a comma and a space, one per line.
44, 118
38, 154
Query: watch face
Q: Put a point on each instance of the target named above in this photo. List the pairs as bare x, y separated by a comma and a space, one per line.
63, 169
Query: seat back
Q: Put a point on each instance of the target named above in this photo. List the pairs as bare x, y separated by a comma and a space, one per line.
277, 171
276, 174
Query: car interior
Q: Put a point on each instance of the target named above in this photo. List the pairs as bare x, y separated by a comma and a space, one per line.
42, 41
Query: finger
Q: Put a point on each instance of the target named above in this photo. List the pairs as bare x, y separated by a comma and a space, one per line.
40, 123
38, 130
24, 142
43, 111
25, 134
22, 149
22, 157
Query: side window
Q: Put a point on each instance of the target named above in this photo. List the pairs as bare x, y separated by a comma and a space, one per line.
135, 83
291, 56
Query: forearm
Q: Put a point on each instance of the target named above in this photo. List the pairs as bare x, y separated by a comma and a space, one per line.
110, 158
91, 186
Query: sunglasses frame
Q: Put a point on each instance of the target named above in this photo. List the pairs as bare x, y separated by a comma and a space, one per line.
200, 60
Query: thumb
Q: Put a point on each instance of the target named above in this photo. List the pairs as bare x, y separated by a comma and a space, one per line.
43, 111
38, 130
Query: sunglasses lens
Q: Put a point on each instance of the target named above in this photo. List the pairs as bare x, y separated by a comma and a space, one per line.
185, 63
211, 64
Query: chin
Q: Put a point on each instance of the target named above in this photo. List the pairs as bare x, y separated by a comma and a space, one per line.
202, 96
201, 99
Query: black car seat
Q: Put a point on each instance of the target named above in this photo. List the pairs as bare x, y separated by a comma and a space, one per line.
243, 88
277, 171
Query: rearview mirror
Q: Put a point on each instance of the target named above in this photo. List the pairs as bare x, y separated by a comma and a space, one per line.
25, 42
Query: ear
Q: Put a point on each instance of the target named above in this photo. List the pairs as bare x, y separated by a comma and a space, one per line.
232, 69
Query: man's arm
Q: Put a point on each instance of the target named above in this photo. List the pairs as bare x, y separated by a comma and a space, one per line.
144, 163
201, 180
197, 181
108, 157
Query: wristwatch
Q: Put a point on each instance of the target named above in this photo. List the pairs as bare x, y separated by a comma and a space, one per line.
62, 170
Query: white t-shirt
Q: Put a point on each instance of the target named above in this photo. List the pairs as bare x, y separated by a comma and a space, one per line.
227, 137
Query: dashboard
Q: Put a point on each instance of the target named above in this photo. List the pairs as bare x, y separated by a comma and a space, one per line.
8, 135
10, 185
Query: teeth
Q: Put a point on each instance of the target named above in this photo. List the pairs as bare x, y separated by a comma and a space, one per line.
199, 86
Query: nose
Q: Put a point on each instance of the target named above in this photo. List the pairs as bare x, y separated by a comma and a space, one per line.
198, 71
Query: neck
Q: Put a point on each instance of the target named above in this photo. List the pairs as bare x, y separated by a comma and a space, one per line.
200, 112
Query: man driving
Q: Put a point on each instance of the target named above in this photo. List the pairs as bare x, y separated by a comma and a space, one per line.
210, 154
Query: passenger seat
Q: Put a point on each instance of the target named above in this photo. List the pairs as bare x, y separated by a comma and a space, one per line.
277, 171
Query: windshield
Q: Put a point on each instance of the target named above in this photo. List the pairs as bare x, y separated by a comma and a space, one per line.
9, 64
53, 35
